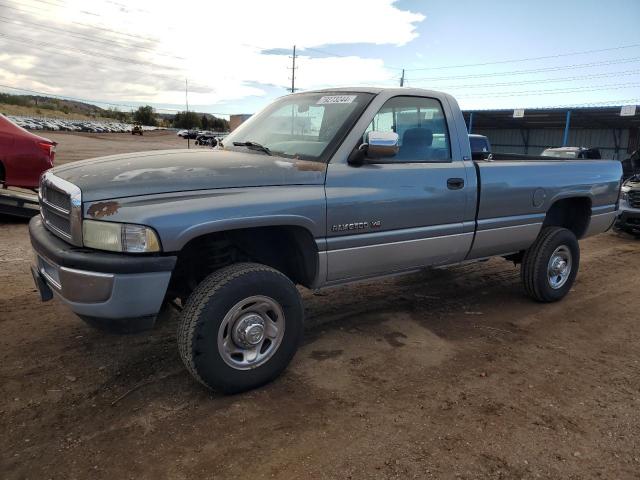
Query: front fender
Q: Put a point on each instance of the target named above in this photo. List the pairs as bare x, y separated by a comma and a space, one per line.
179, 218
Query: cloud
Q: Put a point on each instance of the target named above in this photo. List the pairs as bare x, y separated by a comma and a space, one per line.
228, 51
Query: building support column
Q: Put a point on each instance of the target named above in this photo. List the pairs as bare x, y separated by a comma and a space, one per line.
524, 133
617, 140
567, 124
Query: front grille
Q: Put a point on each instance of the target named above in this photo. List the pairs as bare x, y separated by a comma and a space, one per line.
57, 198
55, 207
56, 221
60, 207
634, 198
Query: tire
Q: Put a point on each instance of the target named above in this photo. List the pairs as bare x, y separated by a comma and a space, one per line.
541, 280
220, 324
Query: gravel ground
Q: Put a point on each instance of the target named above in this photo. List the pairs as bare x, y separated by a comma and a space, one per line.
449, 373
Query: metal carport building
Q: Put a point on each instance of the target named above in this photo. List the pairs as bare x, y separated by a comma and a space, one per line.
599, 127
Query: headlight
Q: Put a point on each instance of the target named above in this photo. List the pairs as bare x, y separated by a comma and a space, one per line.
624, 194
119, 237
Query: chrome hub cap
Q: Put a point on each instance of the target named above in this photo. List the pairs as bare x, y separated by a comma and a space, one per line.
559, 267
251, 332
248, 331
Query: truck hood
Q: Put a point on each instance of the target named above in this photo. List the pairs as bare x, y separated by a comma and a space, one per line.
166, 171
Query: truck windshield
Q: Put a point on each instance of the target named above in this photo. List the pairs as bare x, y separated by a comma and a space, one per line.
306, 126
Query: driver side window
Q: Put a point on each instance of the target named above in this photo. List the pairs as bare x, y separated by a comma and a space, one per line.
421, 125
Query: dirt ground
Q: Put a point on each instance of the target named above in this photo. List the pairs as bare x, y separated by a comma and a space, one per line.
78, 146
449, 373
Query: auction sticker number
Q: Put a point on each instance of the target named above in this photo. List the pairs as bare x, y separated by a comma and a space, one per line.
331, 99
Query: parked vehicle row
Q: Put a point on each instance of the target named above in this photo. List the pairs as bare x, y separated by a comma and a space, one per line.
91, 126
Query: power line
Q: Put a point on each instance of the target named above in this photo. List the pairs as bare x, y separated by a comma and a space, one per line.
132, 35
95, 102
64, 97
102, 65
545, 80
618, 102
324, 52
331, 54
518, 60
604, 103
83, 37
118, 70
554, 91
535, 70
88, 52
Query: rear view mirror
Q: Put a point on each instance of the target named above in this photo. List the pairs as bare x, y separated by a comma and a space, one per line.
382, 144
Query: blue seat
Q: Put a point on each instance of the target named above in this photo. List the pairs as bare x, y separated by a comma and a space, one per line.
416, 144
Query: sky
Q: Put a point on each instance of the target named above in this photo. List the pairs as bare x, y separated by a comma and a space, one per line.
236, 56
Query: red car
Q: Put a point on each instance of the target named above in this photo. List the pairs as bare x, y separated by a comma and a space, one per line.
23, 155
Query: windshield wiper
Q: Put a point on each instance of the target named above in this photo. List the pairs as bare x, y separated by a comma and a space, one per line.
254, 146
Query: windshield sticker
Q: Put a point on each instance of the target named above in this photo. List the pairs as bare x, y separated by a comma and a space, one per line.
330, 99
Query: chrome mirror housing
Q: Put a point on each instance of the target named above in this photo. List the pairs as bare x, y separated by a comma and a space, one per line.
382, 144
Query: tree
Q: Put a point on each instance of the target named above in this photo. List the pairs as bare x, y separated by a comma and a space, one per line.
220, 124
186, 120
204, 123
145, 115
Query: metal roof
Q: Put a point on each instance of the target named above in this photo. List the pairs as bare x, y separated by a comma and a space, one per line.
581, 117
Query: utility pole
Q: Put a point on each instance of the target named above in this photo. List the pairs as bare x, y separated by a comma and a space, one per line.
293, 71
402, 79
186, 101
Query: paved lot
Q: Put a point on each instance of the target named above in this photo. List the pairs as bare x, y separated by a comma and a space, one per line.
449, 373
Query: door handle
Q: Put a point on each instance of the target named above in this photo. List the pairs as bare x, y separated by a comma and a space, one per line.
455, 183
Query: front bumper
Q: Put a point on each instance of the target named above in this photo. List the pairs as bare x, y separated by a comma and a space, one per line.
628, 218
97, 285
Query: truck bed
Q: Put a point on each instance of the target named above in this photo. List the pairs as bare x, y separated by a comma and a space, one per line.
515, 195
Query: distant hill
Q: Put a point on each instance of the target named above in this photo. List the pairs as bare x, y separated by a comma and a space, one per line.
42, 106
57, 104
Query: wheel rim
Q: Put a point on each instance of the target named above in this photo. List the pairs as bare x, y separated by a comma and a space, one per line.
559, 267
251, 332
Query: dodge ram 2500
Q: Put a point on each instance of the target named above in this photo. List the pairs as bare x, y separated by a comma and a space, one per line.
319, 189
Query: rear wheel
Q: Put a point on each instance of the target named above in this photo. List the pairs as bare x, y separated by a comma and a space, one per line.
551, 264
240, 327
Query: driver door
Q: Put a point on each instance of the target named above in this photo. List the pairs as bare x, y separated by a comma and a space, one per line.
403, 212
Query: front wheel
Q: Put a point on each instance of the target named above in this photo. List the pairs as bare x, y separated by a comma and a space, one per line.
240, 327
550, 265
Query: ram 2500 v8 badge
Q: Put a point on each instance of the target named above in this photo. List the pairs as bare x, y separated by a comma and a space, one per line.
319, 189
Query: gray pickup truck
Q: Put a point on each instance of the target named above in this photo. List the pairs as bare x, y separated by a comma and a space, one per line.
319, 189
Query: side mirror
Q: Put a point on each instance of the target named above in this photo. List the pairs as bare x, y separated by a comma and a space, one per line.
377, 145
382, 144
